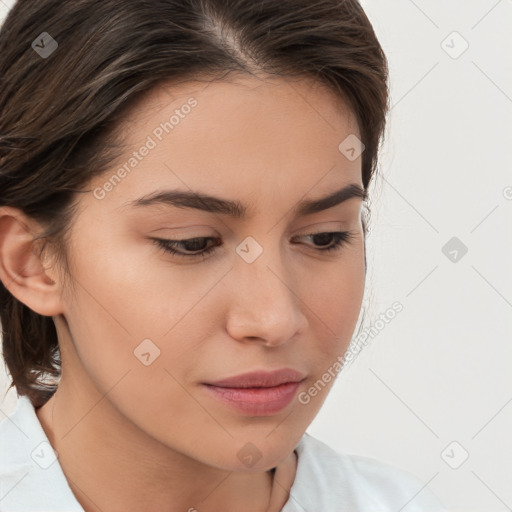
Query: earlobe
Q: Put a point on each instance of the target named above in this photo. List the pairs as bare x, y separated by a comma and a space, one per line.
21, 270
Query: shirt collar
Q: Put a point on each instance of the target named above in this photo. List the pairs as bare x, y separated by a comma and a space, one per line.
31, 478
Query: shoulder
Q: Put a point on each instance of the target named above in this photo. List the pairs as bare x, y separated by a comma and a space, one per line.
31, 478
354, 482
13, 433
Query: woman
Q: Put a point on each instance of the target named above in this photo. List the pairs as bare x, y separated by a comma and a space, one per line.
182, 253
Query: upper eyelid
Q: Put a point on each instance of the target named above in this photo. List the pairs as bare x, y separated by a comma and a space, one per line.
304, 228
302, 233
347, 232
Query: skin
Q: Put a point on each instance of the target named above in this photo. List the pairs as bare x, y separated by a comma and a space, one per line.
132, 437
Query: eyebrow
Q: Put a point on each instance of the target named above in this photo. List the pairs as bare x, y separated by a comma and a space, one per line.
235, 209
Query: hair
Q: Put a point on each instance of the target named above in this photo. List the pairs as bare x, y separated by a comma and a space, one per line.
59, 115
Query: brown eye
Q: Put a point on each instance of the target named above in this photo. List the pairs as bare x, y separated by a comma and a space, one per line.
191, 244
338, 239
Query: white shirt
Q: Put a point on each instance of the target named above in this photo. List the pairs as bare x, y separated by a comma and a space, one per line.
32, 480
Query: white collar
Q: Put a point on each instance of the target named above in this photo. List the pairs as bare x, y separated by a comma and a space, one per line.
32, 480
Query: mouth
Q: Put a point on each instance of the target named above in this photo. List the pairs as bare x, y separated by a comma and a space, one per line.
260, 379
257, 393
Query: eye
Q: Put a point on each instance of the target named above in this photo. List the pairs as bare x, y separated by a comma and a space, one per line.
339, 239
190, 244
329, 241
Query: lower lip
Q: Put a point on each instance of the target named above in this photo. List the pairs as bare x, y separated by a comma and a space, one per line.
256, 401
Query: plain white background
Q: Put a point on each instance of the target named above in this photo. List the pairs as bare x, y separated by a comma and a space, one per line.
431, 392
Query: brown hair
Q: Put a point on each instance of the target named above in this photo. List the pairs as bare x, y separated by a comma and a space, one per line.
58, 112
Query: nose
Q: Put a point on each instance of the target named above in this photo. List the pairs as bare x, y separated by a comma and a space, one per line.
264, 306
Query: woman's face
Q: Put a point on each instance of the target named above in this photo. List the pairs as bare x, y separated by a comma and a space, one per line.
146, 330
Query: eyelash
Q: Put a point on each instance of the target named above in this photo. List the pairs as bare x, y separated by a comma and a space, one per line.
341, 238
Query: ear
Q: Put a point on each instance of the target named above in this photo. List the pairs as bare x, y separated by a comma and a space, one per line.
22, 271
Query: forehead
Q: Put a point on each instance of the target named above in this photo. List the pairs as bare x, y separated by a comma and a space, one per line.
289, 98
244, 137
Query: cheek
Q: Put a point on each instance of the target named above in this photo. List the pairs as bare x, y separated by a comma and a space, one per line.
130, 307
109, 314
129, 287
335, 298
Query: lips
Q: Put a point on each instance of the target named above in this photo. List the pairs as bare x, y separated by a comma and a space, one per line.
257, 393
260, 379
